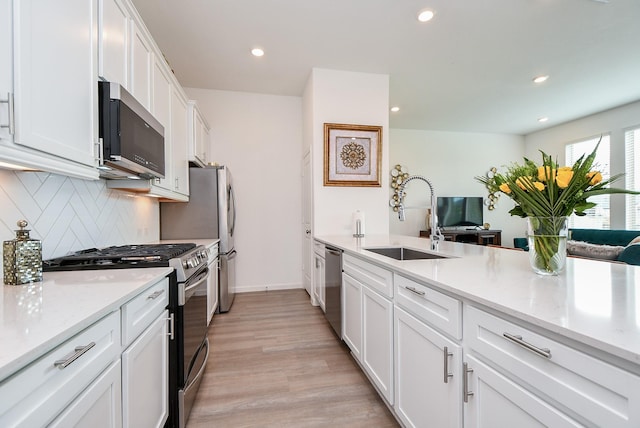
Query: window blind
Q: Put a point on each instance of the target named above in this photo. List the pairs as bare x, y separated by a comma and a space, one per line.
632, 178
599, 216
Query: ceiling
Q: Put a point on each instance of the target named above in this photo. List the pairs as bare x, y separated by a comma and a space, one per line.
470, 69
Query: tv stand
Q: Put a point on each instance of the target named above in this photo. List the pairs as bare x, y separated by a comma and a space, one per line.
468, 236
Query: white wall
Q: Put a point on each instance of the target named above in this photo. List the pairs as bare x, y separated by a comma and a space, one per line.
70, 214
351, 98
259, 138
451, 160
614, 122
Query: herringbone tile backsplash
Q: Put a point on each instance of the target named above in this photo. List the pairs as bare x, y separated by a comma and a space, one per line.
69, 214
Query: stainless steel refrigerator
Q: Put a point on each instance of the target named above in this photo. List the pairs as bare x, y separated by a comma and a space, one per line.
210, 213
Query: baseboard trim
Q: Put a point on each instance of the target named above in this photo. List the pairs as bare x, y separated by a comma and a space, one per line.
269, 287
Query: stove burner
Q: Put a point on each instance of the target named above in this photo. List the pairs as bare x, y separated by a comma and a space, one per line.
143, 255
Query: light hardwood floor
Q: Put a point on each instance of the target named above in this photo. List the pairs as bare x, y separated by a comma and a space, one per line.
275, 362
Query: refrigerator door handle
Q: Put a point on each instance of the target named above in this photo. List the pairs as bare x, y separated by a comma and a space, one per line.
232, 254
232, 201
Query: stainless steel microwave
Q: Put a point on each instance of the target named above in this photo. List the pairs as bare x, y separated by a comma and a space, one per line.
132, 139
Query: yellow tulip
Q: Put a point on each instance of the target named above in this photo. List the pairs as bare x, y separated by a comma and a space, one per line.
504, 187
564, 176
594, 177
545, 173
538, 185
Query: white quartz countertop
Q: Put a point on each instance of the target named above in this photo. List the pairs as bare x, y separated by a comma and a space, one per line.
34, 318
596, 303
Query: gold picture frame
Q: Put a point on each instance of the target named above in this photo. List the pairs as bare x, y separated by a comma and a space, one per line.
352, 155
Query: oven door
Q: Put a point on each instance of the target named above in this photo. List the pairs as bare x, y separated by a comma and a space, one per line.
194, 327
193, 299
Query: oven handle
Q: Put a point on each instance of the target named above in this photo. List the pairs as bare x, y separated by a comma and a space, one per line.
184, 290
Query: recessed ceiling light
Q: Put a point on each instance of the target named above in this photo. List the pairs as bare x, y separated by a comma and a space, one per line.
540, 79
257, 52
425, 15
395, 109
543, 119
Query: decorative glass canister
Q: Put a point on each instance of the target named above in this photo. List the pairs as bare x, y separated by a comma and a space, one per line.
22, 258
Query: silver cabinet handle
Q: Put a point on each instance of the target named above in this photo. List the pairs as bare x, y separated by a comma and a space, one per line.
543, 352
79, 351
465, 382
447, 354
414, 291
155, 295
171, 320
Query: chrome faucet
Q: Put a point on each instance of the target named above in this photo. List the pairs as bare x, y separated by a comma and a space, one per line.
435, 236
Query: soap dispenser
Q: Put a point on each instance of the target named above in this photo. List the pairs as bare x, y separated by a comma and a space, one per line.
22, 258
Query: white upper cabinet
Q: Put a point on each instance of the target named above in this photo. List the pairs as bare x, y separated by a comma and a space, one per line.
114, 41
52, 86
161, 110
199, 137
179, 139
141, 65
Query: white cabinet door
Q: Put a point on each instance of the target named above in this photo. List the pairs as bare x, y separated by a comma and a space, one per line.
6, 60
423, 398
318, 280
55, 86
377, 344
161, 110
179, 140
141, 66
113, 42
100, 405
352, 315
498, 402
145, 377
199, 135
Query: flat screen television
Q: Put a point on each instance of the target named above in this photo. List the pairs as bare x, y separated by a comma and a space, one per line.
460, 211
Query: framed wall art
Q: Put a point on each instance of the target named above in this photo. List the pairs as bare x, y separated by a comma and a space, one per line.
352, 155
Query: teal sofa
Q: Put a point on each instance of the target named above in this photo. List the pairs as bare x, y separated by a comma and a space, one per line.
616, 242
630, 254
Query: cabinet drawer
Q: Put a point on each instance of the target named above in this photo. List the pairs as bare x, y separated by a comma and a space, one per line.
596, 391
318, 248
142, 310
434, 308
36, 394
374, 277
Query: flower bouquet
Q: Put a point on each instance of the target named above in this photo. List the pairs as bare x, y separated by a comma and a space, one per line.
546, 195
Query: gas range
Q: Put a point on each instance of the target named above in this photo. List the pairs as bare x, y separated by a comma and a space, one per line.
186, 258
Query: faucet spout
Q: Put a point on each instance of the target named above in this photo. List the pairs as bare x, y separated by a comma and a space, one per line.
436, 235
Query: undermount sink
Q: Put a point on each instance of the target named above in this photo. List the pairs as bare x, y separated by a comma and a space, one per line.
401, 253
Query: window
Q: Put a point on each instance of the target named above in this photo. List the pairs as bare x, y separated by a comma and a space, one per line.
632, 178
597, 217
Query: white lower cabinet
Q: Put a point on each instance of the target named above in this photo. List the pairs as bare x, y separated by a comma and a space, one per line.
377, 343
582, 386
498, 402
35, 395
368, 323
352, 315
145, 377
98, 405
318, 276
428, 379
88, 381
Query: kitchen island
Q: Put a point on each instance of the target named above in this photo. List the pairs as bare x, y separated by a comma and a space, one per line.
566, 347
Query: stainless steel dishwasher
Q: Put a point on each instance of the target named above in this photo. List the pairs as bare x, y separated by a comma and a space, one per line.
333, 288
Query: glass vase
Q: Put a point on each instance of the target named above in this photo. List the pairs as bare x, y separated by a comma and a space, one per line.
547, 244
